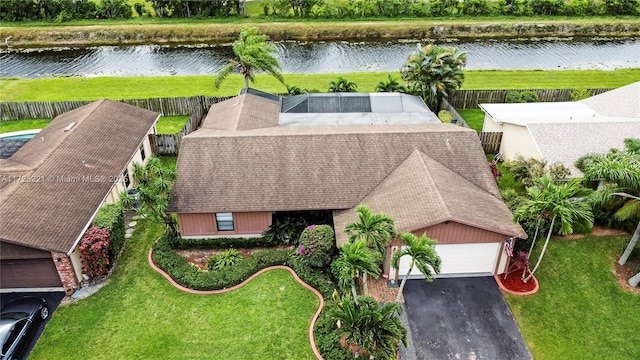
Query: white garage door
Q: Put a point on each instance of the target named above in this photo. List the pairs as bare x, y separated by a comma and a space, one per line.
459, 260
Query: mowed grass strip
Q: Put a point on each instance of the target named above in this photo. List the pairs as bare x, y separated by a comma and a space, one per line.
60, 89
165, 125
139, 315
580, 312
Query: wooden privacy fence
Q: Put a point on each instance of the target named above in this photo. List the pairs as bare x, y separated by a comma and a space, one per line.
48, 110
169, 144
490, 141
469, 99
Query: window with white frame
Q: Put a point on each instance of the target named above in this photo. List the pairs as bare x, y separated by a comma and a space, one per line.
224, 221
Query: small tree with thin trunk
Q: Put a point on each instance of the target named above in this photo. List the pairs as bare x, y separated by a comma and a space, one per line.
423, 255
567, 203
354, 258
252, 53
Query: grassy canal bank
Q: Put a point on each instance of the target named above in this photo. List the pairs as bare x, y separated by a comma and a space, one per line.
77, 88
149, 31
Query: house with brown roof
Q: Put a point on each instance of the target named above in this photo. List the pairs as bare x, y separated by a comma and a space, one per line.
54, 185
562, 132
254, 156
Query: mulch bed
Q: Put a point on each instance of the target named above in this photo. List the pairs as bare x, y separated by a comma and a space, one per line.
199, 257
624, 272
514, 282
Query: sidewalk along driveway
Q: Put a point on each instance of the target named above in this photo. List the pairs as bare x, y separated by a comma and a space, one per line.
461, 318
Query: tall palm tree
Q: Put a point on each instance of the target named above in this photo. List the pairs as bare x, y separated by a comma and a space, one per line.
389, 85
376, 230
434, 72
342, 85
620, 173
355, 257
253, 53
566, 203
423, 255
370, 327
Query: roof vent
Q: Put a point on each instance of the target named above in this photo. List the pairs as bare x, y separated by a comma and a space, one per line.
70, 126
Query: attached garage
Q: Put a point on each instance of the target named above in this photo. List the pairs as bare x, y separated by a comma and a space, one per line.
22, 267
460, 260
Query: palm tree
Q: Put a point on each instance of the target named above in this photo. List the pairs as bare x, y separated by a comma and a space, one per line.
342, 85
153, 184
354, 258
390, 85
376, 230
434, 72
253, 53
620, 173
370, 327
566, 203
423, 255
295, 90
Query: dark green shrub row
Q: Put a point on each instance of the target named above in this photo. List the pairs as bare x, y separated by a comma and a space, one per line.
319, 279
521, 97
221, 243
112, 217
63, 10
192, 277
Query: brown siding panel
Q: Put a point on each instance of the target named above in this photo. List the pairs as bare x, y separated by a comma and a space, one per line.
252, 222
248, 223
10, 251
457, 233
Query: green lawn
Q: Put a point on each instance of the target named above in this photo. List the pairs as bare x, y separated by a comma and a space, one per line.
166, 124
580, 312
139, 315
473, 117
18, 125
58, 89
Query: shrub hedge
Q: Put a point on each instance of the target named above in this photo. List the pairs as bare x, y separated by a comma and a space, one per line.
220, 243
112, 217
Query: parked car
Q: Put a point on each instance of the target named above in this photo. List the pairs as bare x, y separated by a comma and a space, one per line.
19, 321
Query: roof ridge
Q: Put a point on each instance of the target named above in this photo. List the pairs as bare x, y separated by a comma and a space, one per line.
439, 193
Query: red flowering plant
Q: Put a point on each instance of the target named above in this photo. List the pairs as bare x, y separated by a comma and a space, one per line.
316, 244
94, 251
494, 170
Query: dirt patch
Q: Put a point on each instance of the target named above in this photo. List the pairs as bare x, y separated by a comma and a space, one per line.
199, 257
624, 272
596, 231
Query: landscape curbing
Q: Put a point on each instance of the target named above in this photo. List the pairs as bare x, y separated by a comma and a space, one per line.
530, 292
222, 291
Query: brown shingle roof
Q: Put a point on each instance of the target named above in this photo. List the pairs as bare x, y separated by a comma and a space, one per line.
324, 167
51, 211
422, 192
243, 112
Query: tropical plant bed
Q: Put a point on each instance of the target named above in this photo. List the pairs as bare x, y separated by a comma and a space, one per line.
514, 284
199, 257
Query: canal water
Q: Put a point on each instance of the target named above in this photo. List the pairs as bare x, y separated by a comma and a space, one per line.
317, 57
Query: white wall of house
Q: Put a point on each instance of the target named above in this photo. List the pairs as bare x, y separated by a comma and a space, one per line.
490, 125
76, 261
516, 140
119, 187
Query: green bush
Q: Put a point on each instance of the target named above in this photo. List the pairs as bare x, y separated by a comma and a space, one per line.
221, 243
329, 348
316, 245
111, 217
319, 279
225, 260
529, 97
192, 277
445, 116
579, 94
513, 97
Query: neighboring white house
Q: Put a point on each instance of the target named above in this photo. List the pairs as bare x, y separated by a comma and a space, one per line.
565, 131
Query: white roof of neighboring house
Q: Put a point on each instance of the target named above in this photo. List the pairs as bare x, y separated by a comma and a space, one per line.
565, 131
526, 113
567, 142
621, 102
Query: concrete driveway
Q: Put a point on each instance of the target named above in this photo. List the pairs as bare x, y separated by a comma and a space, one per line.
461, 318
